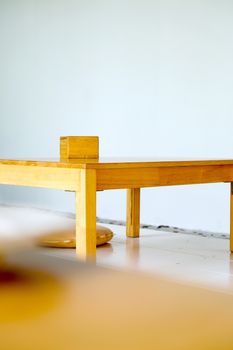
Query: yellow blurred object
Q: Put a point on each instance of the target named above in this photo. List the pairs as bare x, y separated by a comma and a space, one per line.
66, 239
50, 303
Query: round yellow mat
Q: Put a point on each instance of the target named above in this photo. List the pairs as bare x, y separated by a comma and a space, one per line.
66, 239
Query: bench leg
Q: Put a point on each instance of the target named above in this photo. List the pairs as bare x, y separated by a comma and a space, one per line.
133, 213
231, 219
86, 216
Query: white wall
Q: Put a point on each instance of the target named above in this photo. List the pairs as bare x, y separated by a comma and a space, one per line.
151, 78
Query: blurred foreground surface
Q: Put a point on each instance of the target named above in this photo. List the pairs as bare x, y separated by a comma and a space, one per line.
52, 303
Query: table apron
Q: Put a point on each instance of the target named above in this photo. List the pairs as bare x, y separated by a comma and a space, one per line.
36, 176
114, 178
162, 176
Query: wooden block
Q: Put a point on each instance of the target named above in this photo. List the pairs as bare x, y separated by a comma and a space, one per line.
79, 147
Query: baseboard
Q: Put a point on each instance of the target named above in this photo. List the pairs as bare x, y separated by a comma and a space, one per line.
165, 228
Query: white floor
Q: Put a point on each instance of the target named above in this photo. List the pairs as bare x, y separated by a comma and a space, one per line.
188, 258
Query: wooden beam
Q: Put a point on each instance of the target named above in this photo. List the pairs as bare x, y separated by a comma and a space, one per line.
133, 212
162, 176
231, 218
86, 216
38, 176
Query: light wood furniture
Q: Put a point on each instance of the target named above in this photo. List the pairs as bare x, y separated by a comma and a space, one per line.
51, 303
86, 176
73, 147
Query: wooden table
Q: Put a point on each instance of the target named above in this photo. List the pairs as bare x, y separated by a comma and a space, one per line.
86, 176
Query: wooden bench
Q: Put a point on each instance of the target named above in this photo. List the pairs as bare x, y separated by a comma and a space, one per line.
80, 169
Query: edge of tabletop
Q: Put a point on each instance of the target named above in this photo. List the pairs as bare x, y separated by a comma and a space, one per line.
121, 164
156, 164
42, 164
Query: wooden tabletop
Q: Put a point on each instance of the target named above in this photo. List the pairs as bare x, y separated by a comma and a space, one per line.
115, 173
108, 163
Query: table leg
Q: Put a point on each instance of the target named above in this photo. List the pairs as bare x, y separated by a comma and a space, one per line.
231, 219
86, 216
133, 212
